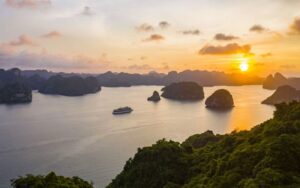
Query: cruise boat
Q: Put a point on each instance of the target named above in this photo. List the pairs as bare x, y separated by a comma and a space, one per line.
124, 110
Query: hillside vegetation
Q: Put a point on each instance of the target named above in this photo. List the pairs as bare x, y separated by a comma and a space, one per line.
50, 181
267, 156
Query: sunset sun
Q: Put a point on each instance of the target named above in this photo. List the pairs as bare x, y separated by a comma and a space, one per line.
244, 66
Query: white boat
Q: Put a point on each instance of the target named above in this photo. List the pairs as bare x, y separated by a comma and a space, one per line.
123, 110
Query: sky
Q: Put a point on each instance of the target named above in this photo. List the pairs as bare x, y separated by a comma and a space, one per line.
92, 36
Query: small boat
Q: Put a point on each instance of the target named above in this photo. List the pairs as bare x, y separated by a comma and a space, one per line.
124, 110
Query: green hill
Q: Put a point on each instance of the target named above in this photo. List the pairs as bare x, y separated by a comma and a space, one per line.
50, 181
267, 156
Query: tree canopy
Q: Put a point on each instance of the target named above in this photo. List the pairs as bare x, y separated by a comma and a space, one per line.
265, 156
50, 181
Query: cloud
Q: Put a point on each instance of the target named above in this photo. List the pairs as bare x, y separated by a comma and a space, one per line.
288, 66
258, 29
140, 67
260, 64
143, 58
221, 36
164, 24
28, 3
191, 32
154, 37
295, 26
104, 55
147, 67
266, 55
145, 28
23, 40
43, 60
52, 34
229, 49
87, 11
165, 66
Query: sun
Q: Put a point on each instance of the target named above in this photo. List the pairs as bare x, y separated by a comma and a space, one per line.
244, 66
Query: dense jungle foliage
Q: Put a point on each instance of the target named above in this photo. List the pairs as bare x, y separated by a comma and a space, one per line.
267, 156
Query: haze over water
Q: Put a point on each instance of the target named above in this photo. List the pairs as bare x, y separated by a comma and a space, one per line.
79, 135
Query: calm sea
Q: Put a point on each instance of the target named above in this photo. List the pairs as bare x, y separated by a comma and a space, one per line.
80, 136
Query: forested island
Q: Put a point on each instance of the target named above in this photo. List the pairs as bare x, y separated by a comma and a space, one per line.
266, 156
220, 99
183, 91
76, 84
16, 86
16, 92
14, 89
283, 94
70, 86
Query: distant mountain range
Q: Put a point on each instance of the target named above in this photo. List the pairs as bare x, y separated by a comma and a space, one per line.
37, 78
203, 78
47, 74
273, 82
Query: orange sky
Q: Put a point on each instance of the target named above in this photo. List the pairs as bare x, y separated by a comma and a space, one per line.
138, 36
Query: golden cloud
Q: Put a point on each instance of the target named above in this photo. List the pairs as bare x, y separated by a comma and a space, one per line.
145, 28
22, 41
295, 26
52, 34
27, 3
228, 49
221, 36
191, 32
154, 37
258, 29
164, 24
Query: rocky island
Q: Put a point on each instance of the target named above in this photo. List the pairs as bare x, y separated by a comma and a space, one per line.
36, 82
183, 91
9, 76
284, 94
220, 99
16, 92
70, 86
155, 97
13, 89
